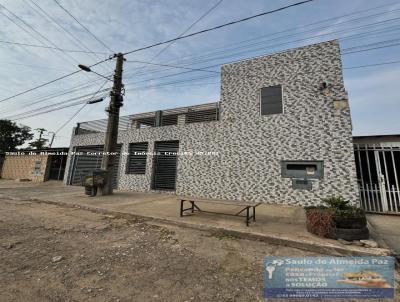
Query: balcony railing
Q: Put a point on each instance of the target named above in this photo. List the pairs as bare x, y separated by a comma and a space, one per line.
177, 116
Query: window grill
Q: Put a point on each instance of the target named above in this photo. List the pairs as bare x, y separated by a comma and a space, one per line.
137, 158
192, 114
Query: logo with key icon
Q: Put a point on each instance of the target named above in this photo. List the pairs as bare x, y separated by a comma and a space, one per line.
271, 266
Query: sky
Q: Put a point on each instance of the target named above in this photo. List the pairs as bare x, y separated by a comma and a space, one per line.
124, 25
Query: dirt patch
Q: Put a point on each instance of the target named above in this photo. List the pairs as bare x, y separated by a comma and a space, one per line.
51, 253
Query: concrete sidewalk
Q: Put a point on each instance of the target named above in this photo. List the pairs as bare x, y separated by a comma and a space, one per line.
277, 224
387, 228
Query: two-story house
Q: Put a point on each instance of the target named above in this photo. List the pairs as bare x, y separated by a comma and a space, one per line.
281, 133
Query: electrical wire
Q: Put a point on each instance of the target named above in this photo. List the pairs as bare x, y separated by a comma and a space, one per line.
165, 42
41, 99
186, 30
49, 47
84, 27
52, 81
307, 39
54, 109
358, 35
72, 37
55, 104
172, 66
368, 49
230, 62
38, 33
80, 109
372, 65
217, 27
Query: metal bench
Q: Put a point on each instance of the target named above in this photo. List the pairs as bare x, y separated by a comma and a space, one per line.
244, 207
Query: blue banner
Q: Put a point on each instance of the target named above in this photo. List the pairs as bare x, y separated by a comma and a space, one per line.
329, 277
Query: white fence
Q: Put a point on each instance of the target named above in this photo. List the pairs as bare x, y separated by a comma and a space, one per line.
378, 174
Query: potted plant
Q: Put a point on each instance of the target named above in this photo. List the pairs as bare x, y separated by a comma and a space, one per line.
341, 220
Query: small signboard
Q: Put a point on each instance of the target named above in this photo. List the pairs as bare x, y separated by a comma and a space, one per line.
329, 277
301, 184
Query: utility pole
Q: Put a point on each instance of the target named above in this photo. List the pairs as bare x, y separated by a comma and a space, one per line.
110, 144
52, 139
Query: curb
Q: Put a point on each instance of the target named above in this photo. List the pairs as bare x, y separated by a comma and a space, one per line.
327, 249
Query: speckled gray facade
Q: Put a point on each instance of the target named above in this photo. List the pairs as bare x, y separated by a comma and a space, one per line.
250, 146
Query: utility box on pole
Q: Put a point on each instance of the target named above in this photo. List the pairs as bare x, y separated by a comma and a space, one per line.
111, 135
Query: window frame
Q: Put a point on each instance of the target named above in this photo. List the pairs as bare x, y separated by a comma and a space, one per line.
319, 172
127, 169
260, 100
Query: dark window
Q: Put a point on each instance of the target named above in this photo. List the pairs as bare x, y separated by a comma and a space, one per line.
198, 116
169, 119
303, 169
137, 158
271, 100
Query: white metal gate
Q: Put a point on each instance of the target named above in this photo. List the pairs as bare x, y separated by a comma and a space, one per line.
378, 175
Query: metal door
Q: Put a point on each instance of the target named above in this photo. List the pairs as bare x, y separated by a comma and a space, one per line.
378, 174
57, 167
164, 165
88, 159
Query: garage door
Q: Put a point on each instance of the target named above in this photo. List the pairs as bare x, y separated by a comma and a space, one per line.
83, 163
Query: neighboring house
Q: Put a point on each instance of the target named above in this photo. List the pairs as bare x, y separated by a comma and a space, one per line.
281, 133
378, 172
35, 165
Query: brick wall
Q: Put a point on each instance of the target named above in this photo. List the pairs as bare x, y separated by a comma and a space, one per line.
32, 167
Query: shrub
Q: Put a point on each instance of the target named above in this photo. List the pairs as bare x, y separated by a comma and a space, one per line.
320, 221
342, 207
338, 203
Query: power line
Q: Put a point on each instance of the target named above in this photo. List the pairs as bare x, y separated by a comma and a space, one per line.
54, 109
70, 90
51, 105
294, 41
371, 65
184, 32
72, 116
72, 36
80, 109
41, 85
83, 26
368, 49
49, 47
218, 27
322, 21
365, 50
172, 66
187, 29
37, 32
165, 42
50, 82
21, 27
45, 99
304, 39
229, 62
32, 66
179, 81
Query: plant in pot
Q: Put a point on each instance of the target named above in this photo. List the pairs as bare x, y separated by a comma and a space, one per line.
346, 221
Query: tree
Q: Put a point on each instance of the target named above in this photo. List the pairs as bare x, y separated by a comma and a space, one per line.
40, 142
12, 135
